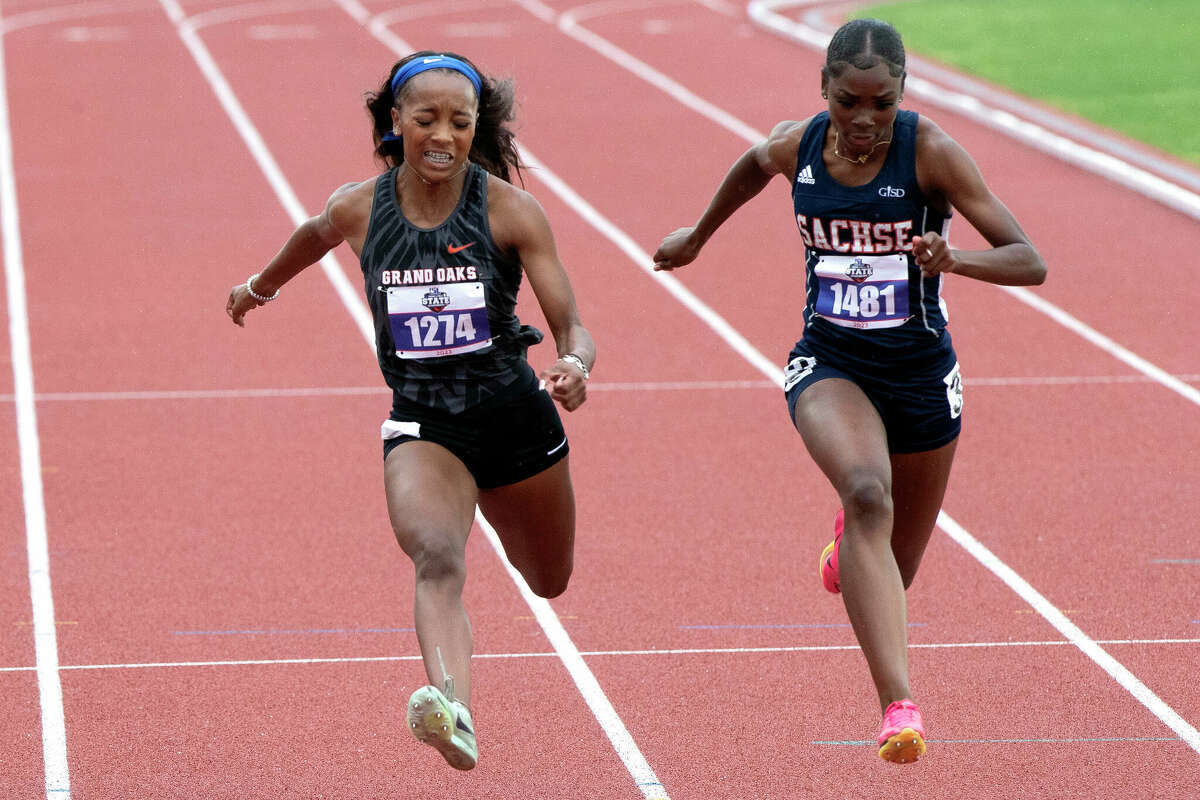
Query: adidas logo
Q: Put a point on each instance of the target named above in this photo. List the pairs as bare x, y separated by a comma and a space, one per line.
805, 175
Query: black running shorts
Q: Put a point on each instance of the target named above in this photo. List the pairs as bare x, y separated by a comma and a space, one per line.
501, 442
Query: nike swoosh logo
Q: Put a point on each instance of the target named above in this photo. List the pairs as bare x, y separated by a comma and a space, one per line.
452, 249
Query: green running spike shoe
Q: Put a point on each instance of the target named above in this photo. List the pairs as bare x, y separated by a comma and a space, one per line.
442, 722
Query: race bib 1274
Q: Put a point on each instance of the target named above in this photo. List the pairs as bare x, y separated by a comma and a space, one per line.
441, 320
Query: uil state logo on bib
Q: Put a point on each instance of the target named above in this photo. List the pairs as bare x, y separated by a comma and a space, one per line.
859, 271
433, 321
863, 291
435, 299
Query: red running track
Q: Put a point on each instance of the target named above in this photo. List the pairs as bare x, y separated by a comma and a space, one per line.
232, 615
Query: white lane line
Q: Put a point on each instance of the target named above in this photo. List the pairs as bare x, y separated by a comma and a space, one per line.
625, 747
418, 10
655, 651
721, 7
568, 23
1071, 323
1115, 669
629, 247
206, 394
48, 16
258, 148
764, 13
618, 735
593, 386
1126, 679
244, 11
41, 593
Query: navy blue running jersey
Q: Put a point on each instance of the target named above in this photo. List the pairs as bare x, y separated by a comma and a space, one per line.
444, 301
861, 284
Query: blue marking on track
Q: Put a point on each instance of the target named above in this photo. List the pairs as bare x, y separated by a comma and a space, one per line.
861, 742
300, 632
1175, 561
796, 625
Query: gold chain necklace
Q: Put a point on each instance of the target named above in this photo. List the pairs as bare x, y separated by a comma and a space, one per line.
857, 159
461, 169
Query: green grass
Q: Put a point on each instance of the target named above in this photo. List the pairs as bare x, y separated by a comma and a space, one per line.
1131, 67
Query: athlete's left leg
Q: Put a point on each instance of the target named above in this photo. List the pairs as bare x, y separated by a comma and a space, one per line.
535, 521
918, 487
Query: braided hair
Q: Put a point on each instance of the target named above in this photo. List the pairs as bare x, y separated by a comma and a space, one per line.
863, 43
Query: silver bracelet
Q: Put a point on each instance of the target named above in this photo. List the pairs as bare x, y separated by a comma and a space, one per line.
571, 358
260, 298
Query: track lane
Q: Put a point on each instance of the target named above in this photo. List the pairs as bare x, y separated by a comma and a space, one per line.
1093, 258
614, 466
21, 742
1094, 354
1186, 422
168, 461
1022, 332
283, 731
150, 432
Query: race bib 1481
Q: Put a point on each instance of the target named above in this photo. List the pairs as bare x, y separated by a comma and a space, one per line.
863, 291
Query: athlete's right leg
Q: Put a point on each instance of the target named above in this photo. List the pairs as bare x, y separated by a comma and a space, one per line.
846, 438
431, 502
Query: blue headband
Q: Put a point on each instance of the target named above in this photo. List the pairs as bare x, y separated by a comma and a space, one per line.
419, 65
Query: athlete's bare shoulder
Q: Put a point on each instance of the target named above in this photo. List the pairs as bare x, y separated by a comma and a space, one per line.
348, 210
513, 213
931, 139
778, 153
943, 165
355, 191
790, 129
505, 199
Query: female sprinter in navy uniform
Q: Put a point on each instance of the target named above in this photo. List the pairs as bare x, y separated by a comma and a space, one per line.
443, 238
873, 387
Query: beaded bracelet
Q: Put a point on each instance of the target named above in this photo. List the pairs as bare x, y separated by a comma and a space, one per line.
260, 298
571, 358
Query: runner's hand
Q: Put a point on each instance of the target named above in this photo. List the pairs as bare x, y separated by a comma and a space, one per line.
566, 384
677, 250
932, 254
239, 303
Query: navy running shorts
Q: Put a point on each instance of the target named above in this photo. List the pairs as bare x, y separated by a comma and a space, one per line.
918, 395
503, 441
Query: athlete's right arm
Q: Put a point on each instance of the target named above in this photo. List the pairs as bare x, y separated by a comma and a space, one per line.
340, 220
746, 178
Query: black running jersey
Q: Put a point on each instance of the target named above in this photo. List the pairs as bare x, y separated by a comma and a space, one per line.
444, 301
860, 276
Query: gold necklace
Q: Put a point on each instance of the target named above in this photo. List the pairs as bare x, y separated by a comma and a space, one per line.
857, 159
461, 169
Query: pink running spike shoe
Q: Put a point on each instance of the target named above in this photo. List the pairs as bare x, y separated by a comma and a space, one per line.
902, 739
829, 556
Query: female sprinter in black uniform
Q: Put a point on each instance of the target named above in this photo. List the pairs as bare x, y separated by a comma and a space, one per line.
443, 238
873, 387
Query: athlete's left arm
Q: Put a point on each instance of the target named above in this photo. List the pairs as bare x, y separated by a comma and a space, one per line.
946, 170
527, 231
